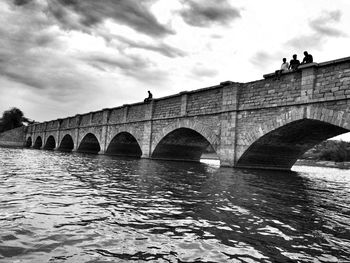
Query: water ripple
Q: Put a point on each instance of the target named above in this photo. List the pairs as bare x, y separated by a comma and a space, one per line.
59, 207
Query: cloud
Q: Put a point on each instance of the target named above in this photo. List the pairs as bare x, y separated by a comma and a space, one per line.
209, 12
83, 15
35, 61
159, 47
202, 71
261, 58
28, 45
323, 27
34, 53
133, 66
303, 42
321, 24
48, 75
121, 62
21, 2
267, 62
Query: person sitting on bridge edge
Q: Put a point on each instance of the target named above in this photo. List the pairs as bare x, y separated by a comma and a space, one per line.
149, 98
294, 63
308, 58
284, 68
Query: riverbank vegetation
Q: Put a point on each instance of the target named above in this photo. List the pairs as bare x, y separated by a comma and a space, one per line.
331, 150
13, 118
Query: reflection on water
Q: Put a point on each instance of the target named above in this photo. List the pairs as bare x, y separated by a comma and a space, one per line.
59, 207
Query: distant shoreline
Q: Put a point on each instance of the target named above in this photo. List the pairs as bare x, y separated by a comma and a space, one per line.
331, 164
209, 156
315, 163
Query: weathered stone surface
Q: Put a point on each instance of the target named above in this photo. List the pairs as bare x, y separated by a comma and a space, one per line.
266, 123
14, 138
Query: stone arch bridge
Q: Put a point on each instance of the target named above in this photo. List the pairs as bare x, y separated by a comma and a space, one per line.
262, 124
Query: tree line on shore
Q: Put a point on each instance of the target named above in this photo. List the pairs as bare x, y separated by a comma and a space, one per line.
331, 150
13, 118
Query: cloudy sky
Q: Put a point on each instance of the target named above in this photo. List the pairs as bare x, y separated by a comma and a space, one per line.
63, 57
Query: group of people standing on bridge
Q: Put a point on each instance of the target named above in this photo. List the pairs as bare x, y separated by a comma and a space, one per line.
293, 64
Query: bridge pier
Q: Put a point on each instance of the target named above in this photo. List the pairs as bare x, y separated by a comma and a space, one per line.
146, 140
228, 121
104, 132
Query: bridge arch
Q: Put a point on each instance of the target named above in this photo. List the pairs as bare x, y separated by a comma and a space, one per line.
279, 142
29, 142
50, 143
89, 144
183, 141
124, 144
206, 132
66, 144
38, 143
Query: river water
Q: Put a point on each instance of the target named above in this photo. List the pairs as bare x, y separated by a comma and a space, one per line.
63, 207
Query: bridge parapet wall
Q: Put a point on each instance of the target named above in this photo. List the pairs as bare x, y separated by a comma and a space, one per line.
52, 125
30, 128
40, 127
117, 115
74, 122
167, 108
65, 123
270, 92
97, 118
136, 112
332, 81
205, 101
312, 83
85, 119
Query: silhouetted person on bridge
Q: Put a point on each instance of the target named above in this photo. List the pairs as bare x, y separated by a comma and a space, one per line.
284, 68
294, 63
308, 58
149, 98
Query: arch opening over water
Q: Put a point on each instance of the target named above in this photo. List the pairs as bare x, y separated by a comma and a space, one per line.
29, 142
67, 144
181, 144
38, 143
124, 144
50, 143
89, 144
282, 147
